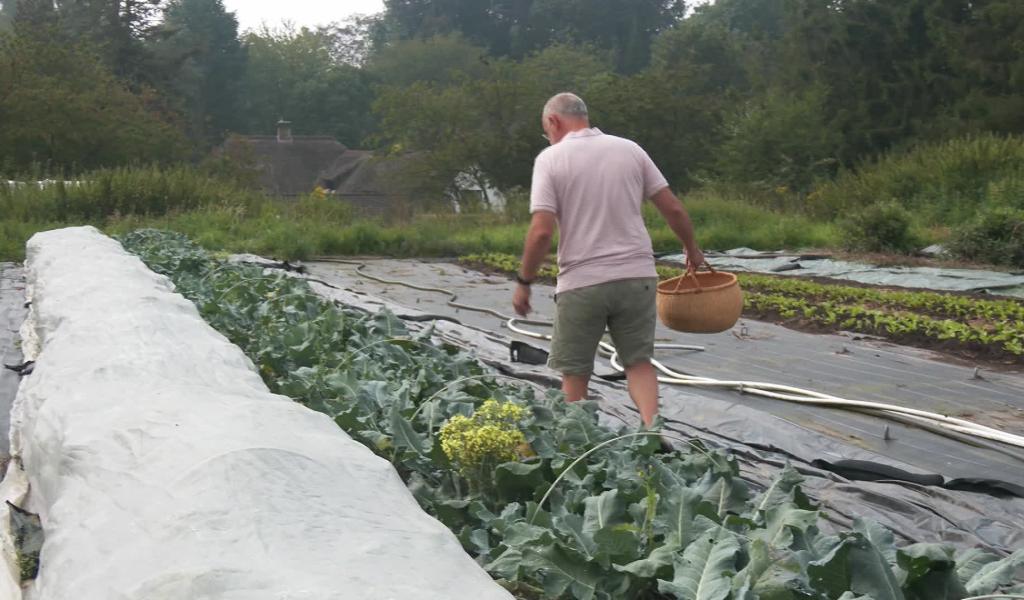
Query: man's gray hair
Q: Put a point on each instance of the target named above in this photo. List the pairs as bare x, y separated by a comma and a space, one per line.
566, 104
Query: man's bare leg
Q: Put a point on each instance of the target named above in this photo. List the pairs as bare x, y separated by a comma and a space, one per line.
643, 389
575, 386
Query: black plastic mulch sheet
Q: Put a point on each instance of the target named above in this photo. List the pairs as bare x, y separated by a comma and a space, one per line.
923, 486
12, 313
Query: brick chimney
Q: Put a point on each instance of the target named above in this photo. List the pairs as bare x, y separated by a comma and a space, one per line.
284, 131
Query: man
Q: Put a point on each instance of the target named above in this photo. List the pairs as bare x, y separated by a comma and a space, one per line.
592, 185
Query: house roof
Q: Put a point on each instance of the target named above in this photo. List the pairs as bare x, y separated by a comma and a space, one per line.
288, 168
360, 172
295, 165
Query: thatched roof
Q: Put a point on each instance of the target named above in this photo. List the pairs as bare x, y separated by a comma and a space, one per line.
359, 172
295, 165
287, 168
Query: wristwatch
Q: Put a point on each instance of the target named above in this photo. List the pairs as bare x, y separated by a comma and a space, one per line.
521, 281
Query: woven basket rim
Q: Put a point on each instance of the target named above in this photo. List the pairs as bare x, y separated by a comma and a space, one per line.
671, 291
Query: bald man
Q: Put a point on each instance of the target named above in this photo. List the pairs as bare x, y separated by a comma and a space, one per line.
591, 186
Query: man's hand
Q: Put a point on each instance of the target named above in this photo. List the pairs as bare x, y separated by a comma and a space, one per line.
694, 259
536, 247
521, 300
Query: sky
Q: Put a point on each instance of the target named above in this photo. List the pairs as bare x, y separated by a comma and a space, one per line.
252, 13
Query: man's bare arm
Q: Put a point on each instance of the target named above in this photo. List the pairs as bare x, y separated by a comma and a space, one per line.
538, 243
679, 221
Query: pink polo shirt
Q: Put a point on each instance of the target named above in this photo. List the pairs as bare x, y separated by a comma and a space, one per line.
595, 185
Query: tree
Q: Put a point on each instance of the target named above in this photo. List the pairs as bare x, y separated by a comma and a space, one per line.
625, 28
483, 23
30, 17
442, 59
118, 29
488, 124
779, 140
983, 41
354, 40
199, 42
292, 74
65, 110
8, 8
518, 28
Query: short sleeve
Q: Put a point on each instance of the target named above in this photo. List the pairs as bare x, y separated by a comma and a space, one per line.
654, 181
542, 186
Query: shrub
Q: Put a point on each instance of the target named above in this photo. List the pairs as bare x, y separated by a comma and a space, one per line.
995, 236
142, 191
945, 183
780, 141
882, 227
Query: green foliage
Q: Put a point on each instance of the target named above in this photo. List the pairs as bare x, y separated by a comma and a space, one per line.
995, 236
901, 316
117, 30
62, 108
758, 92
884, 226
440, 60
200, 39
623, 29
28, 535
943, 183
143, 192
483, 117
7, 11
725, 222
294, 75
216, 207
779, 140
626, 524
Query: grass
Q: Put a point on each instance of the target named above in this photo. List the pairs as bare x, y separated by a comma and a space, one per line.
943, 186
221, 215
942, 183
722, 223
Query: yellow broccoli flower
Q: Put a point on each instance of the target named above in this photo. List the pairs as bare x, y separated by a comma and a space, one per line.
490, 436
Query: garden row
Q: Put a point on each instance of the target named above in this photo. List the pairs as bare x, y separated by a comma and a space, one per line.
960, 324
482, 457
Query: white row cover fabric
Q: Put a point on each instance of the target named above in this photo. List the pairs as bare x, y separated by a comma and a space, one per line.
163, 468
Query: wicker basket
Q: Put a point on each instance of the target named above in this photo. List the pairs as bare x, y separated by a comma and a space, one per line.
700, 302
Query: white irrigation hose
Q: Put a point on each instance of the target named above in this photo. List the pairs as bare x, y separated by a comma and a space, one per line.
768, 390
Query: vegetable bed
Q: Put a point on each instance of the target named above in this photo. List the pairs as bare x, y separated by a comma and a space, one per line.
962, 325
480, 454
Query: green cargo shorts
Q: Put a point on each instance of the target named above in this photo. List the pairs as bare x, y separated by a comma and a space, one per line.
626, 307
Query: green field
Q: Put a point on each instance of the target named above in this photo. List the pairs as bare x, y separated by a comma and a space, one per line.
223, 216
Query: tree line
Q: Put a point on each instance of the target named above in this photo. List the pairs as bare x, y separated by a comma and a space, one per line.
776, 94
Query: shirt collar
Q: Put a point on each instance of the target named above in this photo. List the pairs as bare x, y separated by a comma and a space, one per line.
589, 132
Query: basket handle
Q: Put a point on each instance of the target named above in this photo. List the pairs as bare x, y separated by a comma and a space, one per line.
691, 272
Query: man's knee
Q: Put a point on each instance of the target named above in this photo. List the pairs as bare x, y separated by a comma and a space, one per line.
574, 386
